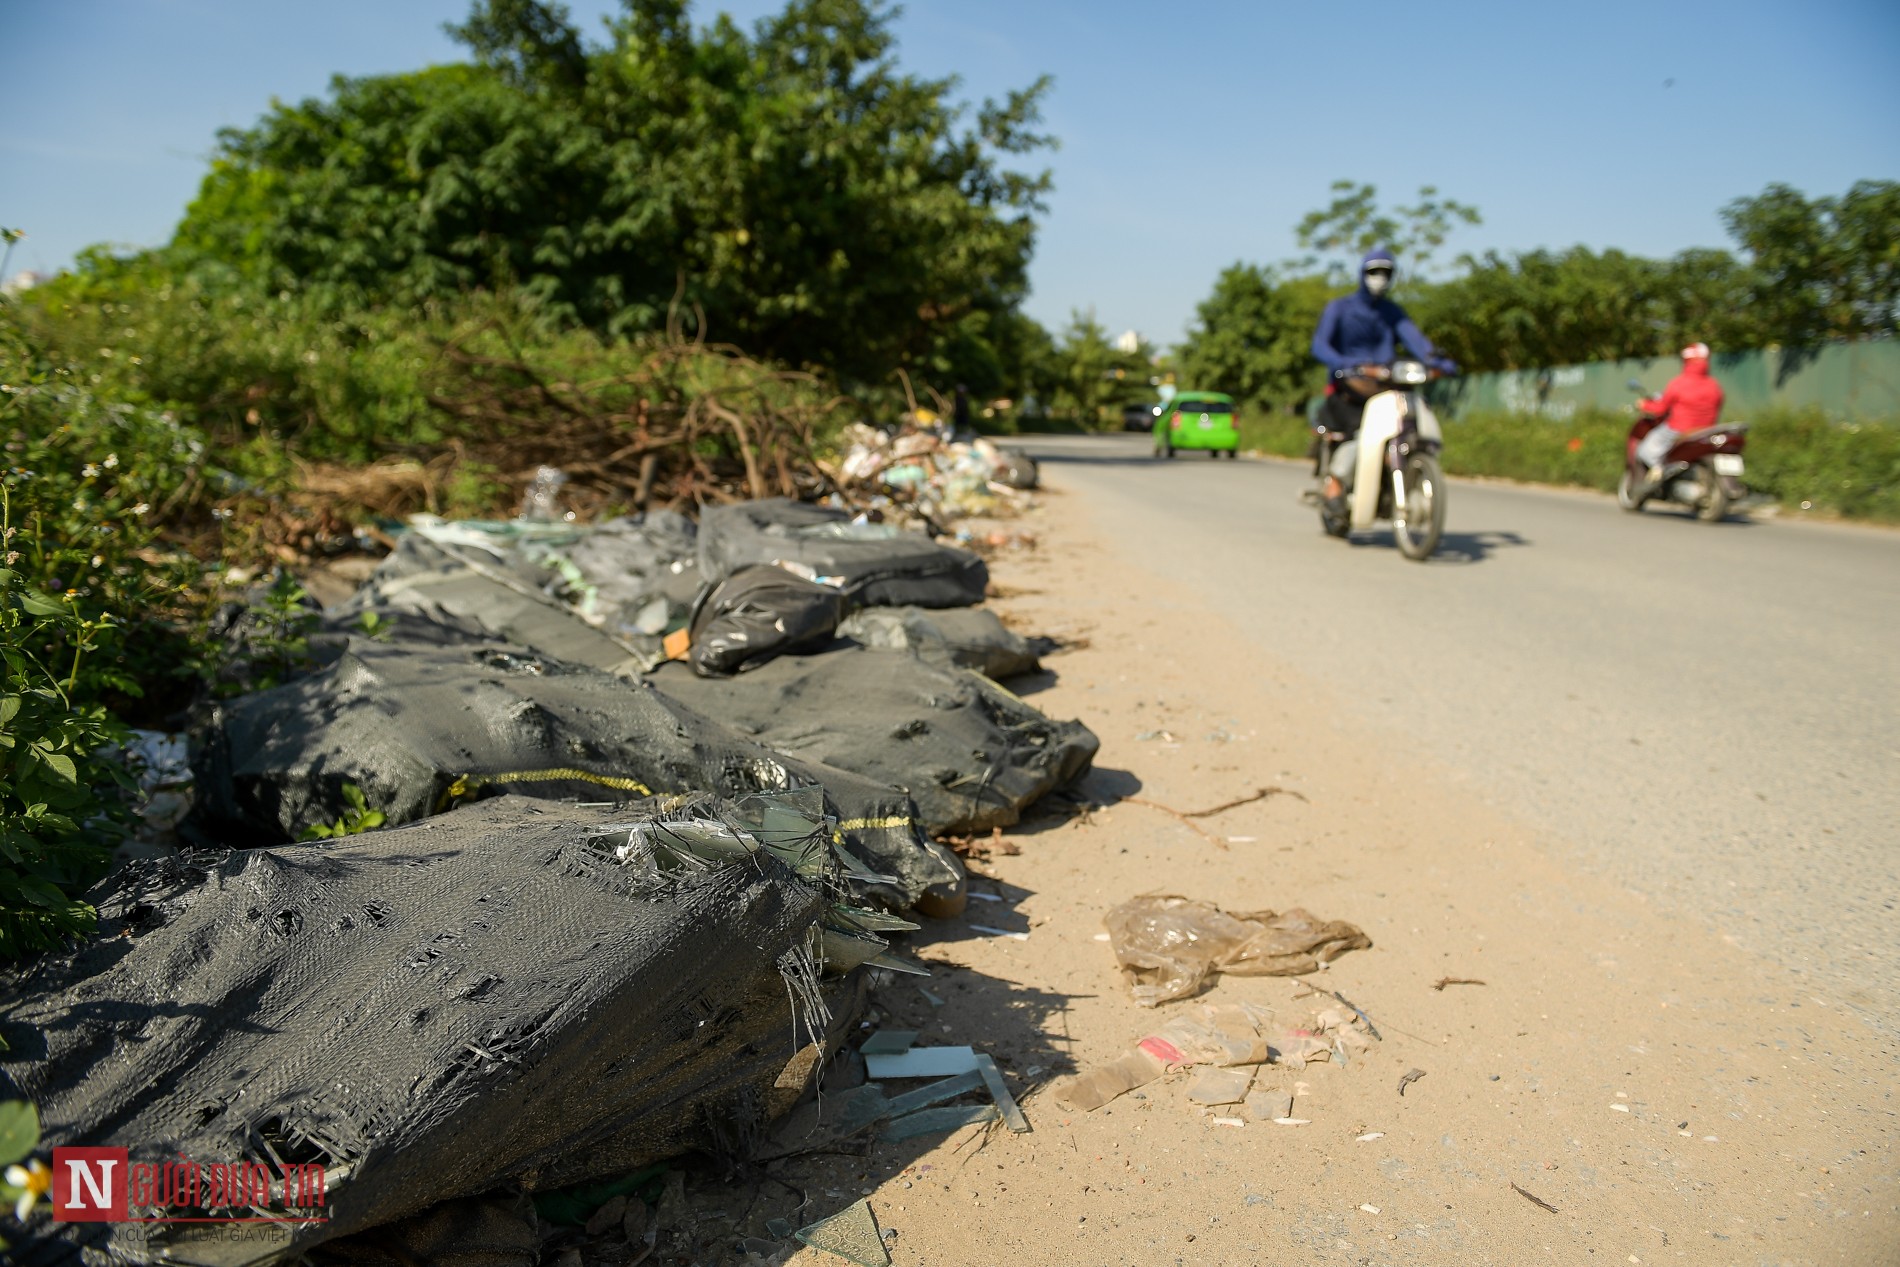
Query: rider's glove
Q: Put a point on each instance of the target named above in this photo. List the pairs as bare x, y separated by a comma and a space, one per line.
1445, 365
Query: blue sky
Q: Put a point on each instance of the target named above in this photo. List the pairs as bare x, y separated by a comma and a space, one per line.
1622, 124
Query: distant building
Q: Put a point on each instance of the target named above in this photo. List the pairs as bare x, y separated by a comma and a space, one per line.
26, 279
1128, 341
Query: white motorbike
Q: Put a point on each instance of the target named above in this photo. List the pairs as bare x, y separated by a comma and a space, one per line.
1396, 476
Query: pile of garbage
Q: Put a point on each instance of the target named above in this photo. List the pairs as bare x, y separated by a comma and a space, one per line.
571, 851
944, 478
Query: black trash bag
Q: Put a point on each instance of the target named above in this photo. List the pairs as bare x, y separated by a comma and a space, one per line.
633, 576
418, 729
957, 638
972, 755
876, 565
757, 613
512, 996
460, 587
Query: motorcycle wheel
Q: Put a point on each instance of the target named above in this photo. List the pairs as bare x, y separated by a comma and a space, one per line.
1626, 493
1421, 525
1713, 508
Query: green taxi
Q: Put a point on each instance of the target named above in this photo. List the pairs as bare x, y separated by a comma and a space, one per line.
1197, 420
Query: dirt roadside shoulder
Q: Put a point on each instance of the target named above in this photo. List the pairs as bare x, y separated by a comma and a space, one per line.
1671, 1096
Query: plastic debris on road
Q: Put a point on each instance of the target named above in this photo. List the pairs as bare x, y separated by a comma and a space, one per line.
1169, 945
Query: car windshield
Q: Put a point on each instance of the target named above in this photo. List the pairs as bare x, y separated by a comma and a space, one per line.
1204, 407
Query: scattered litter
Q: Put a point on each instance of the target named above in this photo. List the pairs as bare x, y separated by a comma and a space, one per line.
1292, 1121
1370, 1209
935, 1093
1621, 1108
1100, 937
1442, 982
1269, 1106
934, 1121
1220, 1086
1168, 945
1227, 1121
999, 1093
852, 1234
989, 931
888, 1042
987, 897
1212, 1034
922, 1062
1369, 1136
1533, 1199
1241, 840
1355, 1008
1408, 1078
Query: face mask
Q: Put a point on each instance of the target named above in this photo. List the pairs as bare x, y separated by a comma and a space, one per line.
1377, 283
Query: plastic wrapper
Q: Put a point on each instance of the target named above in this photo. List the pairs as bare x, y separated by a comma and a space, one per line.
1168, 945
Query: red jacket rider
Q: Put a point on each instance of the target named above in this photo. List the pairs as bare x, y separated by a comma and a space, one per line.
1693, 400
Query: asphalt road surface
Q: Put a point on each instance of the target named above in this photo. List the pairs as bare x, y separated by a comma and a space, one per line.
1709, 714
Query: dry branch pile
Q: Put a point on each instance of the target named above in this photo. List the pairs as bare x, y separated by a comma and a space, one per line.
663, 421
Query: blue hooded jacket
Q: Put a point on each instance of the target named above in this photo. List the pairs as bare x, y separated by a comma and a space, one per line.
1357, 329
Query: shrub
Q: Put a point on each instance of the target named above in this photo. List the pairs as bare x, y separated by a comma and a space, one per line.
56, 836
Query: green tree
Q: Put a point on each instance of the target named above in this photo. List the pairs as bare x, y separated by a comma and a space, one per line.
1824, 268
1252, 336
1354, 223
789, 190
1090, 375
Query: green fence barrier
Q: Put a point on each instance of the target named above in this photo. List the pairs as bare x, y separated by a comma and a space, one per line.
1852, 382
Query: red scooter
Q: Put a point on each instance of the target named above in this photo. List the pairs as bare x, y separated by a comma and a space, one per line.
1702, 470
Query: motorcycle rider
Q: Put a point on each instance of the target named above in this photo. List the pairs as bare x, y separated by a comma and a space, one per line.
1355, 330
1691, 402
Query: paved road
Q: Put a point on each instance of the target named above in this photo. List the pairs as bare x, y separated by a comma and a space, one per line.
1707, 713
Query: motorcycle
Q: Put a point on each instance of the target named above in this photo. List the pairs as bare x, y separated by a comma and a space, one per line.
1396, 476
1702, 470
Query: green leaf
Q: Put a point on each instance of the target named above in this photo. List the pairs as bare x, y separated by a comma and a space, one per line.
61, 765
19, 1130
38, 604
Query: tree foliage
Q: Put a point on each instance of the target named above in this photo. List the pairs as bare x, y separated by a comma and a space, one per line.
1540, 308
1354, 223
1823, 268
790, 189
1252, 336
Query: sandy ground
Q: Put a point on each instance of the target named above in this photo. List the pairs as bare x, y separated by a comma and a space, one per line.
1664, 1094
1673, 1097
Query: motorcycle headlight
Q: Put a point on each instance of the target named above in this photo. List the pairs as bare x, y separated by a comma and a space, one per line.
1408, 373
